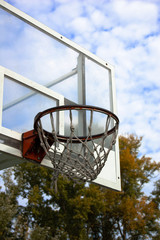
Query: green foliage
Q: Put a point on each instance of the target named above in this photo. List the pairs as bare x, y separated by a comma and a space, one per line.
156, 193
135, 171
8, 206
78, 211
7, 213
40, 233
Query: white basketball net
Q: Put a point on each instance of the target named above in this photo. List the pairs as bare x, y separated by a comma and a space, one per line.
82, 160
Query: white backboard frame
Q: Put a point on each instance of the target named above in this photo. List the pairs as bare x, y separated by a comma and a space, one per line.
15, 153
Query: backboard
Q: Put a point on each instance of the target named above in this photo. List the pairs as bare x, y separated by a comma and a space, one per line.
40, 69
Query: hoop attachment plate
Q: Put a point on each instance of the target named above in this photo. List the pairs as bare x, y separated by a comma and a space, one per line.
31, 147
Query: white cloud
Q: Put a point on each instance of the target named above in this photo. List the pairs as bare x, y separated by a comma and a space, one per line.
33, 7
81, 25
99, 19
129, 12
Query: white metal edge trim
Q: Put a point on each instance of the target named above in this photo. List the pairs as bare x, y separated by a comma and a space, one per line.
10, 150
46, 163
10, 133
32, 85
117, 165
108, 184
1, 93
114, 110
116, 185
42, 27
112, 89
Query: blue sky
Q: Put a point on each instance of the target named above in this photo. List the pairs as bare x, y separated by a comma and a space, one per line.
127, 35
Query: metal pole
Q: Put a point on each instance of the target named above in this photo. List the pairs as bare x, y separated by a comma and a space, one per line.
81, 94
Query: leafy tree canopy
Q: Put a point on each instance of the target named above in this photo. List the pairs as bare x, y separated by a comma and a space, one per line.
79, 211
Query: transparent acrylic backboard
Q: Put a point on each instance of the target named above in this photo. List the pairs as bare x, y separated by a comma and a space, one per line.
41, 69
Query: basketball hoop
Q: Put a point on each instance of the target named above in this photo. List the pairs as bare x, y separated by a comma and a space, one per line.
77, 157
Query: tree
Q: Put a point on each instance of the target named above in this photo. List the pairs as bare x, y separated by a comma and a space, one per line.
83, 212
156, 193
131, 214
8, 206
156, 200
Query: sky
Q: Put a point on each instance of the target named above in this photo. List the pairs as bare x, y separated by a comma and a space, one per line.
126, 34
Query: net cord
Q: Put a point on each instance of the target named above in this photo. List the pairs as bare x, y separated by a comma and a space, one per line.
81, 167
